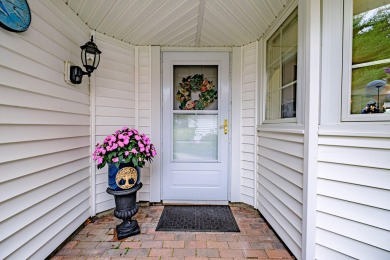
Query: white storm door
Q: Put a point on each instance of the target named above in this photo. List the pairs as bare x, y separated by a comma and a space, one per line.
195, 139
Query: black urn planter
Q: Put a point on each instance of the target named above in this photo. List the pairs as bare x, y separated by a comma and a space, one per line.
125, 208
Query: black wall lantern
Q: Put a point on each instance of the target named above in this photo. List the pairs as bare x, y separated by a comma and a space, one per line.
90, 56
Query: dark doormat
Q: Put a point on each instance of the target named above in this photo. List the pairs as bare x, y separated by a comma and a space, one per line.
197, 218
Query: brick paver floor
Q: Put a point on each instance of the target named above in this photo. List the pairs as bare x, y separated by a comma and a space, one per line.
97, 240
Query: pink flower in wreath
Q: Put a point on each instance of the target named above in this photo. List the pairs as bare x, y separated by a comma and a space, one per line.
190, 105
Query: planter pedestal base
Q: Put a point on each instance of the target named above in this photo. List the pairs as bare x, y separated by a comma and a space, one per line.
126, 207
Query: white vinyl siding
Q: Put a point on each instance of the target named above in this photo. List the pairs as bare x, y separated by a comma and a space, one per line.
353, 197
144, 99
44, 135
279, 185
114, 102
248, 123
353, 182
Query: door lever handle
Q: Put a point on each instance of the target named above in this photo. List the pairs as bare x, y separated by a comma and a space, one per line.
225, 126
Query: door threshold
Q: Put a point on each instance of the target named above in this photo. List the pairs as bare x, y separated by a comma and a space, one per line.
198, 202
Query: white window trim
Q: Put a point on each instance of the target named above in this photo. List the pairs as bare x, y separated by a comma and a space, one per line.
298, 119
347, 73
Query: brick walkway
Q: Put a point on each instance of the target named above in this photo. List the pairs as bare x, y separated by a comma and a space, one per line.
98, 241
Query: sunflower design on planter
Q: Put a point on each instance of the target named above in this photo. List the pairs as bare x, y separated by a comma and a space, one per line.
196, 83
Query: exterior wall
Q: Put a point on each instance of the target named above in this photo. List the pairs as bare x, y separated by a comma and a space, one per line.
114, 102
248, 122
280, 184
353, 197
44, 135
353, 165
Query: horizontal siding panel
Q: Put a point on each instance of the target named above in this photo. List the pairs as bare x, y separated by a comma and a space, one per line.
111, 120
371, 216
248, 156
367, 234
38, 179
248, 104
287, 173
248, 95
297, 138
17, 133
247, 174
287, 160
291, 244
248, 192
17, 80
12, 207
28, 232
357, 156
17, 151
30, 67
247, 130
18, 115
113, 111
114, 93
248, 139
103, 197
326, 253
288, 187
101, 178
40, 163
115, 65
18, 222
248, 148
248, 87
248, 113
247, 199
284, 211
291, 148
355, 193
42, 238
58, 238
282, 219
247, 182
355, 141
366, 176
279, 192
349, 247
113, 74
114, 102
114, 84
100, 207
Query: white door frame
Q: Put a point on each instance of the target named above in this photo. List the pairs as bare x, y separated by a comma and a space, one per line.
220, 192
234, 194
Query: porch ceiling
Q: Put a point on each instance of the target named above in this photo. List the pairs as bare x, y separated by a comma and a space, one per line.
190, 23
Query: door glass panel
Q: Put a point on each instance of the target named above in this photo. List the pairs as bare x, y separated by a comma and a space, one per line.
195, 137
195, 87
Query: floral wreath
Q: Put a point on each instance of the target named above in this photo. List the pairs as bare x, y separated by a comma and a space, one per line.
196, 83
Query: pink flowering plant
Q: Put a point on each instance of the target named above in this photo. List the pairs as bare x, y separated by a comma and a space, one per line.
124, 146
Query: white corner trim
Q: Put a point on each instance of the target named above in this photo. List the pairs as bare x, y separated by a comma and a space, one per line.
235, 193
310, 25
156, 117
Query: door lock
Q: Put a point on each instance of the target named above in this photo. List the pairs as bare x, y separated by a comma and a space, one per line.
225, 126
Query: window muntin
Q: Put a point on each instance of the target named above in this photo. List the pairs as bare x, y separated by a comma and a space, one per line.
370, 70
281, 66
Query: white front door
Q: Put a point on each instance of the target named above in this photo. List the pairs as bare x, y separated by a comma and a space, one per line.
195, 126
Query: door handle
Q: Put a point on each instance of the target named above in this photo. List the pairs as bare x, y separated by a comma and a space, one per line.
225, 126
